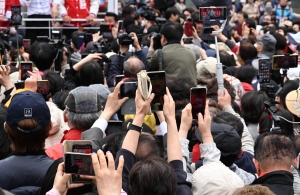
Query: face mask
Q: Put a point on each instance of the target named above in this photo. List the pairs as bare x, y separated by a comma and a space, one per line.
255, 45
12, 30
119, 7
289, 3
143, 23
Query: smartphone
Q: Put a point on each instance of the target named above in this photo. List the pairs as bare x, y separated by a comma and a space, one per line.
56, 34
16, 17
80, 41
264, 68
43, 87
79, 164
20, 84
13, 64
128, 89
284, 61
207, 30
42, 39
84, 55
158, 81
105, 31
120, 25
88, 38
27, 42
188, 29
212, 13
198, 101
113, 127
118, 79
187, 40
84, 149
25, 67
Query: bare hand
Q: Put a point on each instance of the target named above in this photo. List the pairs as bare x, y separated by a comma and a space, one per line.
204, 125
114, 32
4, 77
151, 48
135, 42
90, 19
61, 180
195, 34
54, 12
25, 56
216, 27
96, 37
67, 19
225, 100
31, 83
186, 118
169, 106
94, 56
142, 106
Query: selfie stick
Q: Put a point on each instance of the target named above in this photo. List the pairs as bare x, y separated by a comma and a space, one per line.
220, 79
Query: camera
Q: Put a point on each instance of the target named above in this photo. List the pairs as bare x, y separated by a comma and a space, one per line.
160, 21
101, 46
270, 89
156, 40
125, 39
149, 13
58, 45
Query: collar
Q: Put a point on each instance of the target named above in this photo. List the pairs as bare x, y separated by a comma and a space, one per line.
173, 42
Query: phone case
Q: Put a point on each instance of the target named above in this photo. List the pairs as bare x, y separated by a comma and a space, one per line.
67, 146
188, 29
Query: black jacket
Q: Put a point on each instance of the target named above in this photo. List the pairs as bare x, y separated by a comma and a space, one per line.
279, 182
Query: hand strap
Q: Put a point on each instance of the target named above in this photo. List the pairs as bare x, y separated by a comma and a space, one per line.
143, 82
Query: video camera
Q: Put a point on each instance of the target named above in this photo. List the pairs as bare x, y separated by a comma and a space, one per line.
125, 39
149, 13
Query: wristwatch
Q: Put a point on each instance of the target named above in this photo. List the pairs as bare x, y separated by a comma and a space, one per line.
131, 126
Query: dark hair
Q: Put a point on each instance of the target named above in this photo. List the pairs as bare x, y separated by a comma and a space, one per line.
189, 9
5, 149
148, 146
272, 149
152, 176
113, 143
171, 11
91, 73
230, 119
246, 73
59, 98
153, 28
195, 17
280, 41
172, 31
74, 38
245, 15
226, 59
265, 123
251, 23
252, 105
267, 1
287, 88
297, 142
247, 51
134, 29
128, 22
127, 11
42, 55
56, 82
111, 14
25, 142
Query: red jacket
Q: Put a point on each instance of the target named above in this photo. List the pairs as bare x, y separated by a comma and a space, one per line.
77, 9
8, 4
56, 151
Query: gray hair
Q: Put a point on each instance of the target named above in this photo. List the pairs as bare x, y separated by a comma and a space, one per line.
82, 121
131, 69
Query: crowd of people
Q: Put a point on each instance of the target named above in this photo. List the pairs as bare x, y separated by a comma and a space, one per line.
245, 142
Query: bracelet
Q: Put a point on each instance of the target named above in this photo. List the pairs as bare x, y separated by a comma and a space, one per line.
131, 126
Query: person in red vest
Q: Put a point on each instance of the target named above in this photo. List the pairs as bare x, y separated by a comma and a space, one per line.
5, 6
69, 10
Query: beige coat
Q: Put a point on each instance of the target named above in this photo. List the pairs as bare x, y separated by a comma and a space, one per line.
252, 10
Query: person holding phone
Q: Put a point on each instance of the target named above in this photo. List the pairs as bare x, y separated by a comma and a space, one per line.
5, 13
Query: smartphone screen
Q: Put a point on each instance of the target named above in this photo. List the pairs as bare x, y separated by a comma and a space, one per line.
81, 38
158, 81
43, 87
56, 34
264, 67
84, 149
212, 13
187, 40
284, 61
13, 64
27, 42
105, 30
207, 30
113, 127
198, 101
118, 79
128, 89
188, 29
16, 17
25, 67
120, 25
80, 164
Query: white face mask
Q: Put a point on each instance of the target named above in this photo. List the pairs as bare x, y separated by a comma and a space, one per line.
12, 30
143, 23
289, 3
255, 45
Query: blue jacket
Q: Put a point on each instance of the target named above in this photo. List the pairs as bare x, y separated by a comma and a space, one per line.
24, 174
287, 12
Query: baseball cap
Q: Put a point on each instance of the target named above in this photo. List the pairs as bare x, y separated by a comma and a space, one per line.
28, 105
221, 46
13, 41
226, 138
83, 100
268, 41
206, 69
214, 178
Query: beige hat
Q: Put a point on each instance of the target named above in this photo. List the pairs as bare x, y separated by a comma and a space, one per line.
292, 101
221, 46
206, 69
215, 178
288, 23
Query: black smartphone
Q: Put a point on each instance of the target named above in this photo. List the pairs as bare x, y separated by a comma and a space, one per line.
25, 67
79, 164
212, 13
16, 17
84, 149
56, 34
118, 79
43, 87
20, 84
207, 30
113, 127
158, 81
198, 101
128, 89
88, 38
264, 69
13, 64
80, 41
27, 42
285, 61
187, 40
105, 30
120, 25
